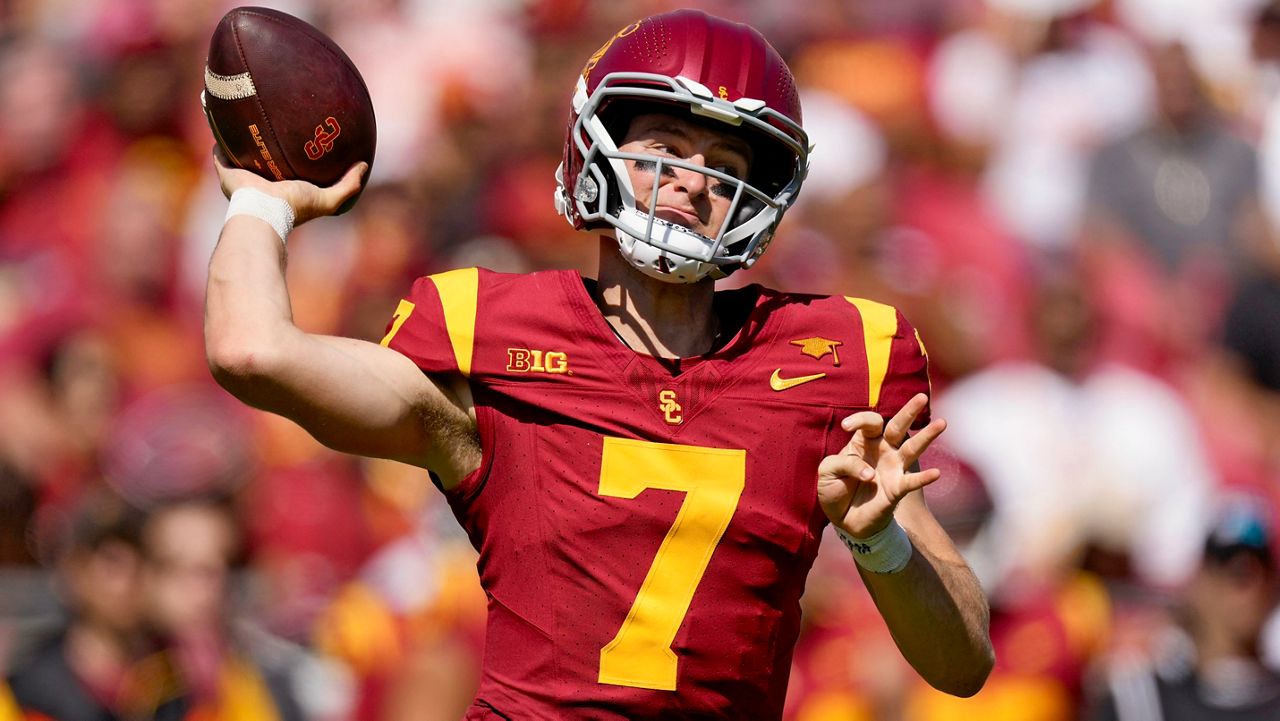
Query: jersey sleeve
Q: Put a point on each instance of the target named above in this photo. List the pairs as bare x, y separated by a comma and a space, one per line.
908, 373
435, 325
897, 365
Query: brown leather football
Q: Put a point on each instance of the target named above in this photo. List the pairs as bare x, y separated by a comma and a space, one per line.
284, 101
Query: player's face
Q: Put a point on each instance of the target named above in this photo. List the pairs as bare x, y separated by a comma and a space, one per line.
688, 198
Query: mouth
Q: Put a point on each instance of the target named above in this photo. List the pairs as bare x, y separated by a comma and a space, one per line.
663, 226
678, 217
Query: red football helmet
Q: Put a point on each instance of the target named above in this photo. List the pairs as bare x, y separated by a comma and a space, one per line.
719, 72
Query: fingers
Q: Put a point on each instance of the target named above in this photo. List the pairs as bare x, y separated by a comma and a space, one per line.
915, 446
856, 466
220, 158
919, 479
846, 465
872, 425
307, 200
220, 166
869, 422
231, 177
895, 431
349, 185
863, 426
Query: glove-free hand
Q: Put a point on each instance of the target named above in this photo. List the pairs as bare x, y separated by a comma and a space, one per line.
307, 200
860, 486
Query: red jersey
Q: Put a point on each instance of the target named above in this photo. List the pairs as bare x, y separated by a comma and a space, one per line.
644, 537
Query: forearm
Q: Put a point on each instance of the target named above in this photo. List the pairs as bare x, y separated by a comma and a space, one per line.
248, 320
938, 615
247, 310
254, 350
926, 593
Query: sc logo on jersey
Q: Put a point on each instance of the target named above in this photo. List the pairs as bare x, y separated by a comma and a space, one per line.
528, 360
672, 411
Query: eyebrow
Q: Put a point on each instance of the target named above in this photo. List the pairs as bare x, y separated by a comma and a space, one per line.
727, 142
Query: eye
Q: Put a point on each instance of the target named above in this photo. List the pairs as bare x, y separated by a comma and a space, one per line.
724, 190
648, 166
730, 170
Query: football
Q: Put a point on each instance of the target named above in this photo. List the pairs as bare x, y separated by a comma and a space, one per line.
284, 101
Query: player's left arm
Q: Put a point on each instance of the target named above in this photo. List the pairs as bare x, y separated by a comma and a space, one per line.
932, 602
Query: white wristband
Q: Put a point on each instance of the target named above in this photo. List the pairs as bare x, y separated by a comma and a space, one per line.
886, 551
276, 212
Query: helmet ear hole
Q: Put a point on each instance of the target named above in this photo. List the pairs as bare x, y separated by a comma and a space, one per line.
611, 203
617, 115
773, 166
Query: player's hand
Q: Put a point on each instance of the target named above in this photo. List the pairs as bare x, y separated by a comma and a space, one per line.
307, 200
860, 487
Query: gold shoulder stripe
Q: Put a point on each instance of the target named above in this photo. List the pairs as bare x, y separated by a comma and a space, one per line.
879, 326
459, 290
925, 352
9, 710
403, 311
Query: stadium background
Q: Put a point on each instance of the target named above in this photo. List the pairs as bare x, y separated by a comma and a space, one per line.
1071, 199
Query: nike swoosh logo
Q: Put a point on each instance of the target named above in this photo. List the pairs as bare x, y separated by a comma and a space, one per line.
778, 383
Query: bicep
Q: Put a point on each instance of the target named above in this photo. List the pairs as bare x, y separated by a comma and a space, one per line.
360, 397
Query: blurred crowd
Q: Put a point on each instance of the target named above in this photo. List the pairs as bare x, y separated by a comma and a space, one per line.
1076, 201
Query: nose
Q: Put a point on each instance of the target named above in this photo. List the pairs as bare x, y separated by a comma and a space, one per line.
692, 182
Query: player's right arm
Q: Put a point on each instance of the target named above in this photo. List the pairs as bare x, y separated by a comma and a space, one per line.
354, 396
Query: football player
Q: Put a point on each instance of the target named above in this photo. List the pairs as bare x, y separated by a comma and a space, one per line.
645, 465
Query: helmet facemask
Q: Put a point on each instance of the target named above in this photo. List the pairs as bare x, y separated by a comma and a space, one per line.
603, 196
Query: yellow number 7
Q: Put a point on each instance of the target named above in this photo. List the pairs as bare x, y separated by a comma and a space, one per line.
712, 480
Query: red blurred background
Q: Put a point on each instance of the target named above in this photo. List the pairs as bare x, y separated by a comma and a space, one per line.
1075, 202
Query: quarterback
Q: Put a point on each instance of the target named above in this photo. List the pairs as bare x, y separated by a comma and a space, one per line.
645, 465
